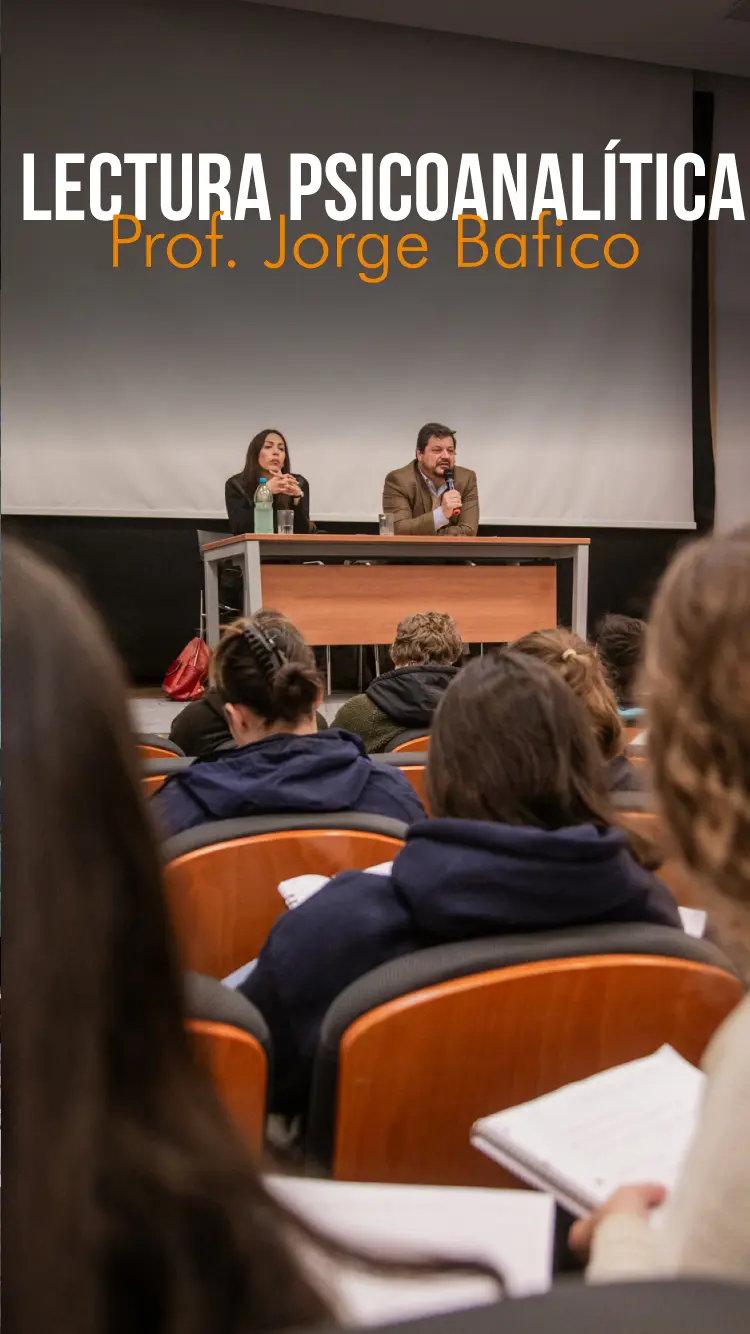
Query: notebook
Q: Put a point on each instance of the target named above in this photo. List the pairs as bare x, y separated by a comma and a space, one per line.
512, 1230
300, 888
633, 1123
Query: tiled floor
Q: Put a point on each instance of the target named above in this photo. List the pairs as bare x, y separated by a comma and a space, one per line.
154, 714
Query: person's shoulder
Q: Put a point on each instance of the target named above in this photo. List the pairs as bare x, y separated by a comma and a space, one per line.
234, 483
401, 476
465, 477
353, 708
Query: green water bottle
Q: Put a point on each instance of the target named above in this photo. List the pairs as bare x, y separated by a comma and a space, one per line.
263, 503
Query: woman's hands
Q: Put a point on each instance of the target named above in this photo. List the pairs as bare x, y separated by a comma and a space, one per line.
283, 484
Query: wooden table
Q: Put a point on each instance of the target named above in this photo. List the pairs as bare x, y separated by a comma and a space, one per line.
362, 604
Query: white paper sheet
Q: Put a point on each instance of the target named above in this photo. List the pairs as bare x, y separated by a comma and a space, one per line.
513, 1230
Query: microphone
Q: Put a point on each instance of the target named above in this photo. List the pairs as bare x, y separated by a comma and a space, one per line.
450, 482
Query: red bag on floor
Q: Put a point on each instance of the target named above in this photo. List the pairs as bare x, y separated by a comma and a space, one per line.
184, 679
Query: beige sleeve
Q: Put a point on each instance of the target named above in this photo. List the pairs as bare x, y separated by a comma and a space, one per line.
706, 1224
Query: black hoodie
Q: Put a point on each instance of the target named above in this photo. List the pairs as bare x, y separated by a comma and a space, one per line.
410, 695
454, 880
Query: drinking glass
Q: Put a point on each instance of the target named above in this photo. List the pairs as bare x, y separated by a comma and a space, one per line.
385, 525
285, 522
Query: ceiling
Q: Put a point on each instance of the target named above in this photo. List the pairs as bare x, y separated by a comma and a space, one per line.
695, 34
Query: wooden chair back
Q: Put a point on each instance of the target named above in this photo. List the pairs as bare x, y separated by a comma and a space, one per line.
152, 782
154, 752
632, 733
224, 899
416, 1072
238, 1065
417, 775
417, 743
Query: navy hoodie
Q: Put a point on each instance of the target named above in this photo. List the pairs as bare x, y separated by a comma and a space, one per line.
325, 771
454, 880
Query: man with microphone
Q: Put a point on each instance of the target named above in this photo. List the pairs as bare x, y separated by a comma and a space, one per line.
431, 496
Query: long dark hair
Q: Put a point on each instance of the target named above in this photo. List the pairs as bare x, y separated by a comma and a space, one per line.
510, 742
135, 1206
136, 1209
251, 473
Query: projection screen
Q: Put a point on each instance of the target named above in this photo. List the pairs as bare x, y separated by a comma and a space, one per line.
134, 391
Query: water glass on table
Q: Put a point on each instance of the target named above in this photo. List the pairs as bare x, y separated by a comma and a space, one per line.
285, 522
385, 525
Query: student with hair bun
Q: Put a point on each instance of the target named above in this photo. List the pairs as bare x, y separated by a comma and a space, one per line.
266, 678
580, 666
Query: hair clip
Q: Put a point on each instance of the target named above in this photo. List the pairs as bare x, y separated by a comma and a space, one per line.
569, 653
265, 650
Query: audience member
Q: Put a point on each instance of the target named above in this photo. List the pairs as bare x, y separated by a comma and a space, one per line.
521, 841
425, 652
579, 665
201, 728
697, 682
620, 641
135, 1208
269, 686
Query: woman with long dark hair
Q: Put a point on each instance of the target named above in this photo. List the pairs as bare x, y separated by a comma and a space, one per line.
267, 456
135, 1206
521, 839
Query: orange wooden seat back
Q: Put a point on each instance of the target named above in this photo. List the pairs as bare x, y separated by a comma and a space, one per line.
237, 1063
671, 872
152, 782
224, 898
415, 1073
148, 752
417, 775
418, 743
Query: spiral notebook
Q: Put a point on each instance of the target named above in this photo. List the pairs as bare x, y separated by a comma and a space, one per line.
633, 1123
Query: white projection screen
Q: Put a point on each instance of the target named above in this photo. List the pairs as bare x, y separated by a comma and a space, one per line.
135, 391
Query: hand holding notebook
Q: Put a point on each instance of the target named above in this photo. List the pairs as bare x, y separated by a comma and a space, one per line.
630, 1124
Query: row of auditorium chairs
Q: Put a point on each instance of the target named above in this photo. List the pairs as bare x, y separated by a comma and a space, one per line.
152, 746
412, 1054
220, 925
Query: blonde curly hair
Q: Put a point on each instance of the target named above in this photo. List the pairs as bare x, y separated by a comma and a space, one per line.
697, 686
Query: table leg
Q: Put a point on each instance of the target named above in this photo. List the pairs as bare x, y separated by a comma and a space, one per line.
581, 590
211, 586
252, 591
